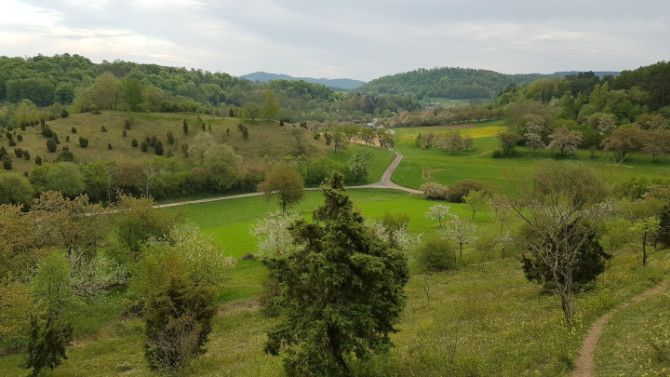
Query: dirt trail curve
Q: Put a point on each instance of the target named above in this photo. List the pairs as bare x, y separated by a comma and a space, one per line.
385, 183
585, 365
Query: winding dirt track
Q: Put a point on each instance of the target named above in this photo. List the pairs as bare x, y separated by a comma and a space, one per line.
385, 183
585, 365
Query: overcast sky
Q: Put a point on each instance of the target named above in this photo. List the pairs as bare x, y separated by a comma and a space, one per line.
358, 39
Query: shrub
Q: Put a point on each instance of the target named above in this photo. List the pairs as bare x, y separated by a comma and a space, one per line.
83, 142
134, 143
12, 143
46, 131
109, 146
435, 191
103, 129
51, 145
127, 124
38, 161
185, 127
64, 113
19, 137
46, 345
438, 255
457, 191
184, 149
158, 148
145, 146
124, 133
67, 138
26, 155
18, 152
7, 162
170, 138
73, 129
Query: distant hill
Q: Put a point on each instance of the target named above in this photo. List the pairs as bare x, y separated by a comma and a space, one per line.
335, 84
454, 83
598, 73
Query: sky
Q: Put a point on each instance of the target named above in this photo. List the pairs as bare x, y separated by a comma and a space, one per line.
357, 39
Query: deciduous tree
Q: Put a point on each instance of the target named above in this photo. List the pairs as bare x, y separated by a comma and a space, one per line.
286, 183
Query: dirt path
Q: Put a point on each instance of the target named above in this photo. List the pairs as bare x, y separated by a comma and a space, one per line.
585, 364
385, 183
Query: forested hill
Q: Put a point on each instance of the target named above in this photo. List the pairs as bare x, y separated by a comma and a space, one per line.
334, 84
455, 83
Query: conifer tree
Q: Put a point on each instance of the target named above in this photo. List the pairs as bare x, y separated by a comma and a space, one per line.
340, 293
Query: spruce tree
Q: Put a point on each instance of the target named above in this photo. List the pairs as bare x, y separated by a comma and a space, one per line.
340, 294
46, 346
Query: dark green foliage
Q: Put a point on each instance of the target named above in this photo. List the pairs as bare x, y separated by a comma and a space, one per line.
185, 127
109, 146
281, 123
153, 141
145, 146
124, 133
178, 320
55, 137
12, 143
38, 161
65, 155
46, 346
26, 155
73, 129
341, 293
438, 255
47, 132
64, 113
158, 148
83, 142
184, 149
18, 152
204, 128
7, 162
67, 138
19, 137
245, 132
664, 227
231, 112
456, 192
103, 129
329, 138
591, 261
170, 138
51, 145
127, 124
134, 143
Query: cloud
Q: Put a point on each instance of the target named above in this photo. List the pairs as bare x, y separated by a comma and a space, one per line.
361, 39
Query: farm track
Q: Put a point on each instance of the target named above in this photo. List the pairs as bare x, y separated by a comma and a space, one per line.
385, 183
585, 366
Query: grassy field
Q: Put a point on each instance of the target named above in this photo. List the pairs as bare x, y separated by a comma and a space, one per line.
502, 173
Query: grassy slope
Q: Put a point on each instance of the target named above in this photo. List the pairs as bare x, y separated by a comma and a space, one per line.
504, 325
266, 138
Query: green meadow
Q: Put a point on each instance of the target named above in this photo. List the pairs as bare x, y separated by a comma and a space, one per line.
502, 173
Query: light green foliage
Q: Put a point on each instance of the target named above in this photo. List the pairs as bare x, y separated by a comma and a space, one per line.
437, 254
138, 222
52, 285
64, 177
222, 165
461, 232
273, 235
16, 302
477, 200
646, 228
438, 212
132, 93
284, 182
15, 189
359, 164
341, 294
203, 257
270, 105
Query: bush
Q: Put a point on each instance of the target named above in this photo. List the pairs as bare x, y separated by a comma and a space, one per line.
124, 133
438, 255
456, 192
51, 145
435, 191
103, 129
83, 142
127, 124
158, 148
26, 155
134, 143
38, 161
170, 138
12, 143
74, 130
7, 162
47, 132
19, 137
67, 138
109, 146
18, 152
64, 113
145, 146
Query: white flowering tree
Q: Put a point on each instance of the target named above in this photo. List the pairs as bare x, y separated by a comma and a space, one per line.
274, 238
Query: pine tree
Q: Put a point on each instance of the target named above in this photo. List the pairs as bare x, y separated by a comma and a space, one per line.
341, 293
46, 347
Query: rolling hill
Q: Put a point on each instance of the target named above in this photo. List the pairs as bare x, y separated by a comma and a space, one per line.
334, 84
